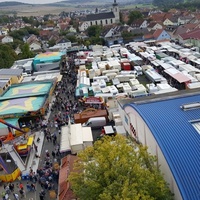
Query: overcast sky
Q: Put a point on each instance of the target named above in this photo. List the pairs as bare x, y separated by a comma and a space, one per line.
33, 1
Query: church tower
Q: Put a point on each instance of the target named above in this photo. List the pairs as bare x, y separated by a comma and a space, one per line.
115, 10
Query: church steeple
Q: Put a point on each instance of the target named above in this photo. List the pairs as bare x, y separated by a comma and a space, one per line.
115, 3
115, 10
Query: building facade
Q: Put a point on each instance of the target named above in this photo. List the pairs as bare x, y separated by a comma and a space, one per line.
169, 127
102, 19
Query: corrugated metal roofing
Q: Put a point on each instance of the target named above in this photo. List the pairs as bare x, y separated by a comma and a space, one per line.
15, 72
3, 83
177, 138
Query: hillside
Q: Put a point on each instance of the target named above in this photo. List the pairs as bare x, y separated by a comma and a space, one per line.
11, 3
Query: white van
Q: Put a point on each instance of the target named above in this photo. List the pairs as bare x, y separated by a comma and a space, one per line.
95, 122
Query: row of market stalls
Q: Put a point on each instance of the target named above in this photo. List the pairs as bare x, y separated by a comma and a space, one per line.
167, 60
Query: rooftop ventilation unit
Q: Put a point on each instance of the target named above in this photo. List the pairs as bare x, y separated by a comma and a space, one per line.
191, 106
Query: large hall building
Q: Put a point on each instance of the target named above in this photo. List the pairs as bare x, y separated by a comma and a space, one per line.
170, 127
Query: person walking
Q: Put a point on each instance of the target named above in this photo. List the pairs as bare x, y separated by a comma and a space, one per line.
53, 154
42, 195
22, 192
16, 196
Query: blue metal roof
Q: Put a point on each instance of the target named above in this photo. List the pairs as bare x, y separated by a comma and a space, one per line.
177, 138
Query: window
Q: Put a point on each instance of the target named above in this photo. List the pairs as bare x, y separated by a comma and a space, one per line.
196, 125
106, 21
101, 22
91, 23
96, 22
111, 21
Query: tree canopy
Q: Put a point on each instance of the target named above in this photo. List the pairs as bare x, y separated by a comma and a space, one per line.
7, 56
134, 15
19, 34
166, 3
94, 31
116, 168
25, 52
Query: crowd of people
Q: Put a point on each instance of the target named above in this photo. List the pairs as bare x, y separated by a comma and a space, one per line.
62, 108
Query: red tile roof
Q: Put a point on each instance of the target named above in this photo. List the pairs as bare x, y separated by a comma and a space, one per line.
65, 192
194, 34
157, 33
158, 17
44, 33
148, 36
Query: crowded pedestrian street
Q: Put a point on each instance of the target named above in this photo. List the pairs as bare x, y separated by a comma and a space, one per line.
43, 183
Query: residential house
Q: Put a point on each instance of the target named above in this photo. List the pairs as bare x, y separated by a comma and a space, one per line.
161, 34
64, 187
140, 23
18, 50
171, 21
154, 26
112, 34
148, 36
102, 19
53, 36
158, 35
139, 34
72, 29
192, 37
44, 34
49, 27
153, 12
7, 39
63, 26
31, 38
157, 17
15, 75
4, 31
196, 19
35, 46
184, 29
184, 19
63, 43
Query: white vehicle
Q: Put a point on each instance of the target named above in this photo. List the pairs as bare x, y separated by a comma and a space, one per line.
105, 72
125, 78
96, 78
116, 47
111, 75
95, 122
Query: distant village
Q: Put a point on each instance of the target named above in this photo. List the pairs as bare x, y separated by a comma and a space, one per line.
179, 26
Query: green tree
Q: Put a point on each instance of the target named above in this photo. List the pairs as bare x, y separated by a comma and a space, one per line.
51, 43
26, 52
87, 43
7, 56
166, 3
114, 169
19, 34
94, 31
134, 15
71, 38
